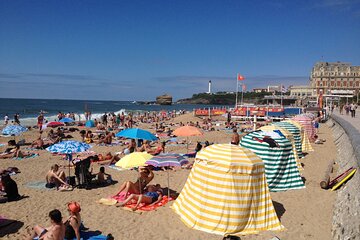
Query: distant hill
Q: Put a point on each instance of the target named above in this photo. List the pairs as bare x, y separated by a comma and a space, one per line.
224, 98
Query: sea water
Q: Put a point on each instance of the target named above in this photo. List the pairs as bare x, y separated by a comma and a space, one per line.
29, 109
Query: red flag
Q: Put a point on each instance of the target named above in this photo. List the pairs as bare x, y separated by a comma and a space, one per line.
240, 78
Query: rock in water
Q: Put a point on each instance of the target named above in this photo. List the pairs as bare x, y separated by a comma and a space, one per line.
164, 99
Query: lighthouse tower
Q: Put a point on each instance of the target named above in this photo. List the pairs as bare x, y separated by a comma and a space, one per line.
209, 92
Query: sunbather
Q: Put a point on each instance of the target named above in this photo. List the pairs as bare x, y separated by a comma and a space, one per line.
56, 231
146, 175
38, 143
152, 196
55, 178
72, 224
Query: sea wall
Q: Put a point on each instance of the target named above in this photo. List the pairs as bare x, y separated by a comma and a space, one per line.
346, 216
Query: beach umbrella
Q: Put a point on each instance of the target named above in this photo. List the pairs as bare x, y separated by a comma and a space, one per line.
54, 124
136, 133
226, 193
305, 142
67, 120
276, 151
90, 123
14, 130
167, 160
68, 147
135, 159
187, 131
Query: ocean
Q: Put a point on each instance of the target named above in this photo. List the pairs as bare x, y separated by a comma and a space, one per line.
29, 109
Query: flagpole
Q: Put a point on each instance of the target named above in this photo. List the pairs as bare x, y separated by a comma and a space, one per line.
281, 89
237, 87
242, 94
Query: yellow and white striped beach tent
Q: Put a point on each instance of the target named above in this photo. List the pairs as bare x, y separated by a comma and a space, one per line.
226, 193
306, 145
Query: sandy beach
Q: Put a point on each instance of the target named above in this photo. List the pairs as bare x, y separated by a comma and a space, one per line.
306, 213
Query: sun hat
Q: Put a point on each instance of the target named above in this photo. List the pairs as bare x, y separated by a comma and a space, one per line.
74, 207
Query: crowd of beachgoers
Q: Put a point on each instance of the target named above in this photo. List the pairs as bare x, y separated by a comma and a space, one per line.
77, 172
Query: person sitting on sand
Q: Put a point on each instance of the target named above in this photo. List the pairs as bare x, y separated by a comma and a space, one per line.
9, 187
145, 147
100, 176
56, 231
235, 139
55, 178
38, 143
53, 137
152, 196
72, 224
130, 148
88, 137
107, 139
146, 175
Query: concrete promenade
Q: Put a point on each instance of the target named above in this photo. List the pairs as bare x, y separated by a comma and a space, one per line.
346, 132
351, 127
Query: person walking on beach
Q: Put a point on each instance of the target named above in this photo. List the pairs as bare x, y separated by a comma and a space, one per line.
17, 118
6, 119
40, 121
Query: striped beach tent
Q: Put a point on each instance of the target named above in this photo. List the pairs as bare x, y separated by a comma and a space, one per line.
295, 131
307, 124
281, 169
226, 193
305, 142
288, 135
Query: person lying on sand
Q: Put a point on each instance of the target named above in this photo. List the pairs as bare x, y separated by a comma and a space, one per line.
146, 175
56, 178
159, 149
152, 196
56, 231
38, 143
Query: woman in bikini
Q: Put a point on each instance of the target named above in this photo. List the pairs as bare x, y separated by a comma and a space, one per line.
146, 175
72, 224
152, 196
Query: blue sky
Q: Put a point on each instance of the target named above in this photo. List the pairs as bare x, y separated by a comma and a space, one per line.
136, 50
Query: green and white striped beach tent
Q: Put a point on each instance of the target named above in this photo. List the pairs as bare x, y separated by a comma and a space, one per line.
296, 134
281, 169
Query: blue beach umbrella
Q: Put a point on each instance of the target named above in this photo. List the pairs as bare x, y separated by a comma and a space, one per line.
167, 160
90, 124
68, 147
136, 133
14, 130
66, 120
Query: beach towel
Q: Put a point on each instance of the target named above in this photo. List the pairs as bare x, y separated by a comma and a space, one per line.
40, 185
26, 157
88, 236
116, 168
